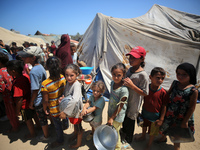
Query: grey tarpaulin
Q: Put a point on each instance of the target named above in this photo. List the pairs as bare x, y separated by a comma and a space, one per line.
169, 36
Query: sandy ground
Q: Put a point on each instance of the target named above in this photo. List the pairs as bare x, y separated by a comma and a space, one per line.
16, 141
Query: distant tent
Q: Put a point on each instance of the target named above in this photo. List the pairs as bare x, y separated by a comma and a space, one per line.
38, 33
166, 34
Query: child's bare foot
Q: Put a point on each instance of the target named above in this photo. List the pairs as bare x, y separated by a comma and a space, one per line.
75, 146
140, 139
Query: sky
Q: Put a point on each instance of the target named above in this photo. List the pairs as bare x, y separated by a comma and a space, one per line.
72, 17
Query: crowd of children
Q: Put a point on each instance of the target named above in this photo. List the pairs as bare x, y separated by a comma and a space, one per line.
33, 95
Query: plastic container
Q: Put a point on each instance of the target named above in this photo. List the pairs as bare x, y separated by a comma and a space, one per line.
86, 70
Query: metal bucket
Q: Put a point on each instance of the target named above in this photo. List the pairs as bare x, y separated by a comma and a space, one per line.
105, 137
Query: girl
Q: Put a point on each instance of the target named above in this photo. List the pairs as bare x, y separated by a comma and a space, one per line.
21, 90
73, 88
52, 89
118, 97
96, 103
183, 97
5, 89
137, 82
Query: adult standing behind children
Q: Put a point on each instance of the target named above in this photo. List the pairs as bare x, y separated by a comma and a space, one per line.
138, 85
37, 75
154, 106
63, 52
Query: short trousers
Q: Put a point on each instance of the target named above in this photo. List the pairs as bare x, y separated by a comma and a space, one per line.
75, 120
27, 114
95, 124
41, 115
153, 130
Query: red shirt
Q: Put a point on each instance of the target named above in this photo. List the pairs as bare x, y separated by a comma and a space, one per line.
154, 101
22, 88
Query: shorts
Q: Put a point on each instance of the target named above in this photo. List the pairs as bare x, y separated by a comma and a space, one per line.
95, 124
75, 120
41, 115
27, 114
153, 130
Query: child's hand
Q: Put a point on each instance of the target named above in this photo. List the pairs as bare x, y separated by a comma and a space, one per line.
62, 115
60, 99
184, 125
158, 123
110, 122
128, 82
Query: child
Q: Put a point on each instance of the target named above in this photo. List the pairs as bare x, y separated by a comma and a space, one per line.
73, 53
37, 74
154, 106
183, 97
96, 103
118, 97
21, 94
5, 89
137, 82
73, 88
52, 89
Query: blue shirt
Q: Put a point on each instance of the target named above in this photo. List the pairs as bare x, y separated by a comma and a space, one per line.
37, 76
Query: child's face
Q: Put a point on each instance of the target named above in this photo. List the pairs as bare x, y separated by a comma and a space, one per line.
135, 61
11, 72
182, 76
70, 76
96, 92
157, 79
73, 50
117, 75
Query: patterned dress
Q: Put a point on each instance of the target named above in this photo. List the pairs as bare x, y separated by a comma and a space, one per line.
178, 107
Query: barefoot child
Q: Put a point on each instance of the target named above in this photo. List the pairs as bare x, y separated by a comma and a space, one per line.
73, 88
118, 98
21, 89
5, 89
52, 89
182, 102
154, 106
137, 82
96, 103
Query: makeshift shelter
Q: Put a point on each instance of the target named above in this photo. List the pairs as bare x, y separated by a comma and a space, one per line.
167, 35
8, 37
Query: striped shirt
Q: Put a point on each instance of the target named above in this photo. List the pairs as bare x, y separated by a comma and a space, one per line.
55, 90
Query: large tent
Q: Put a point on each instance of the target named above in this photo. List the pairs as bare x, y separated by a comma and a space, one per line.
169, 36
8, 37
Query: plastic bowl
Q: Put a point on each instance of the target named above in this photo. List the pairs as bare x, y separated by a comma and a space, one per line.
88, 81
86, 70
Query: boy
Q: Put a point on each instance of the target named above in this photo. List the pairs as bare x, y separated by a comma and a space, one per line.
73, 53
154, 106
37, 74
21, 94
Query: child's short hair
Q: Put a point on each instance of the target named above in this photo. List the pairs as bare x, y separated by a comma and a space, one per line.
3, 58
54, 66
100, 85
157, 70
72, 45
16, 65
119, 66
74, 67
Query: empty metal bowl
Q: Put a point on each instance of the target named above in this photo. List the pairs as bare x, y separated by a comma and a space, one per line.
105, 137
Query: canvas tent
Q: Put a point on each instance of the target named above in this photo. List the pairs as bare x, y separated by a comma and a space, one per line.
170, 37
8, 37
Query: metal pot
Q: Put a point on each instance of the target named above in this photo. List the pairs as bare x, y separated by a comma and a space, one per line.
105, 137
88, 117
